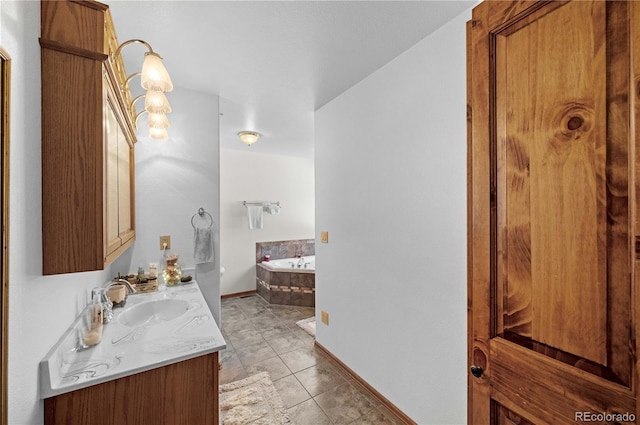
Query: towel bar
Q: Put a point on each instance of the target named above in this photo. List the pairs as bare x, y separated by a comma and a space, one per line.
263, 203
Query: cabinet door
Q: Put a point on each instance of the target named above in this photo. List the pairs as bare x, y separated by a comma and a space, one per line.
553, 303
111, 180
119, 208
125, 190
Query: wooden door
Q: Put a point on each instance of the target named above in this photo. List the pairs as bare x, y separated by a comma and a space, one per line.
553, 230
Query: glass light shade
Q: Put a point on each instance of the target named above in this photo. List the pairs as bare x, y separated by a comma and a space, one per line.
157, 102
158, 133
154, 74
158, 120
249, 137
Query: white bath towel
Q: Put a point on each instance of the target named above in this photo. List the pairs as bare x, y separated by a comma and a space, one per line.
203, 245
254, 214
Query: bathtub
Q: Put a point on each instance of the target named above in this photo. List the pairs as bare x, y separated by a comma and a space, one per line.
281, 281
308, 263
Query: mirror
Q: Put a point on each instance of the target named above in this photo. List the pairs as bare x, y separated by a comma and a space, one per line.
5, 67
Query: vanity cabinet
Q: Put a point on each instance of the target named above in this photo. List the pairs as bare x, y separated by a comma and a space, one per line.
88, 135
184, 393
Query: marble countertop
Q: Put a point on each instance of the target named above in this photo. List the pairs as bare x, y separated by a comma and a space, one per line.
130, 348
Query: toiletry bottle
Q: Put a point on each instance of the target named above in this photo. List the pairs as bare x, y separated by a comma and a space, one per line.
153, 270
93, 331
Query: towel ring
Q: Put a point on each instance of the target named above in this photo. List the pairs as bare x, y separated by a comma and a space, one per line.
201, 213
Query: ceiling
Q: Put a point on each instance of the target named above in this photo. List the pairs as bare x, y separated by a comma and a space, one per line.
273, 63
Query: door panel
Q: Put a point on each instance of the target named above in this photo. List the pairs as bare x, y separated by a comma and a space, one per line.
550, 217
506, 417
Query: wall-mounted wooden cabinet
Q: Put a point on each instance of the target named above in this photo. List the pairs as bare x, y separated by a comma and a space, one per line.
88, 214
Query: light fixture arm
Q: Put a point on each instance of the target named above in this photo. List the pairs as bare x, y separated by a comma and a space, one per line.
139, 114
135, 100
135, 40
131, 77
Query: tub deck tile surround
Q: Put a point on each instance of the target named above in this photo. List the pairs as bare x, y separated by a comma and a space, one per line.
285, 249
285, 287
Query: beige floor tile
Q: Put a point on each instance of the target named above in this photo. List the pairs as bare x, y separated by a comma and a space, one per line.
291, 391
319, 379
343, 404
274, 366
255, 353
308, 413
301, 358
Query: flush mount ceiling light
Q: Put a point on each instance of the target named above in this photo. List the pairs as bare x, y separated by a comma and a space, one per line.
155, 80
249, 137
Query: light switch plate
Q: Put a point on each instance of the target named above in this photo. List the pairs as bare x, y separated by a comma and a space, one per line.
324, 236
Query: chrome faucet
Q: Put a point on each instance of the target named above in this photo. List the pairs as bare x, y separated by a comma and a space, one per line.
107, 304
126, 283
300, 262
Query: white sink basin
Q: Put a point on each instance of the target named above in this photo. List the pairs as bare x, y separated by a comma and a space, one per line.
154, 312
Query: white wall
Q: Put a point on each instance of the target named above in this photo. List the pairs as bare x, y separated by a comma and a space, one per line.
248, 176
174, 178
41, 308
391, 191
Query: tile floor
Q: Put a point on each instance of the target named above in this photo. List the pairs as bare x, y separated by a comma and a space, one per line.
315, 390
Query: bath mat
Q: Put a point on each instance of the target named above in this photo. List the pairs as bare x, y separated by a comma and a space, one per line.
252, 401
308, 325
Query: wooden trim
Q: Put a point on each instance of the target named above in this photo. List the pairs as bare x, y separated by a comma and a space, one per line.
96, 5
5, 75
469, 44
382, 399
72, 50
239, 294
634, 183
478, 196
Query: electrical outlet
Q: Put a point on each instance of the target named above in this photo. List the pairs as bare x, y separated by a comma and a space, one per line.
324, 236
165, 242
324, 316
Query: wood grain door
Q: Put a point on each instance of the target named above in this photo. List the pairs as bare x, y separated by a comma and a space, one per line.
553, 223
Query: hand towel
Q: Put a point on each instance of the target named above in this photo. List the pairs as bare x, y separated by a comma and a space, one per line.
203, 245
273, 209
254, 214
